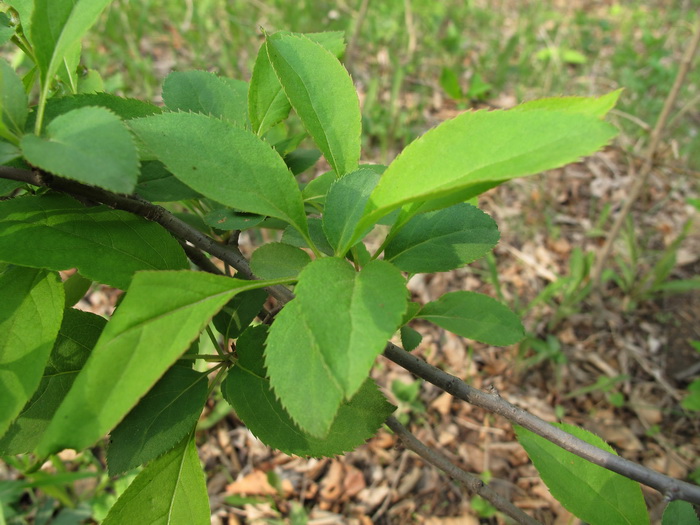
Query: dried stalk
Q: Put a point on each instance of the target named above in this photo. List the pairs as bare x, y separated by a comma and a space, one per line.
641, 179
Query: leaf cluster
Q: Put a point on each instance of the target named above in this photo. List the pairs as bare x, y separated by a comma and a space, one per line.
219, 150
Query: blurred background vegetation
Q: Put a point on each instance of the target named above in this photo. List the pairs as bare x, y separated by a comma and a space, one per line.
406, 55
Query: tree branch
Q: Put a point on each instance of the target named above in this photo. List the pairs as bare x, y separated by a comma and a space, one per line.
469, 480
671, 488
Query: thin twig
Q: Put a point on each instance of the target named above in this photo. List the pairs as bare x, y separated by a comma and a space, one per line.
671, 488
199, 259
641, 179
473, 483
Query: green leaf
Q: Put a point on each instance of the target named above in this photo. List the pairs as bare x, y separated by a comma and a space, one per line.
91, 82
442, 240
68, 70
594, 494
248, 390
77, 336
267, 103
105, 245
24, 8
410, 338
293, 237
157, 184
124, 108
593, 106
6, 30
301, 159
160, 420
315, 191
478, 150
57, 26
8, 153
225, 163
322, 93
449, 82
171, 490
204, 92
90, 145
13, 100
474, 316
274, 260
31, 309
345, 203
692, 400
227, 219
328, 341
75, 288
333, 41
678, 512
239, 312
160, 316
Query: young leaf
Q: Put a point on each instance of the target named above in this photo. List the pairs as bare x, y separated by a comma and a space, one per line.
275, 260
478, 150
328, 341
31, 309
345, 203
90, 145
267, 103
239, 312
56, 28
77, 336
225, 163
160, 316
169, 491
105, 245
594, 494
24, 8
13, 101
248, 390
442, 240
204, 92
160, 420
322, 93
474, 316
